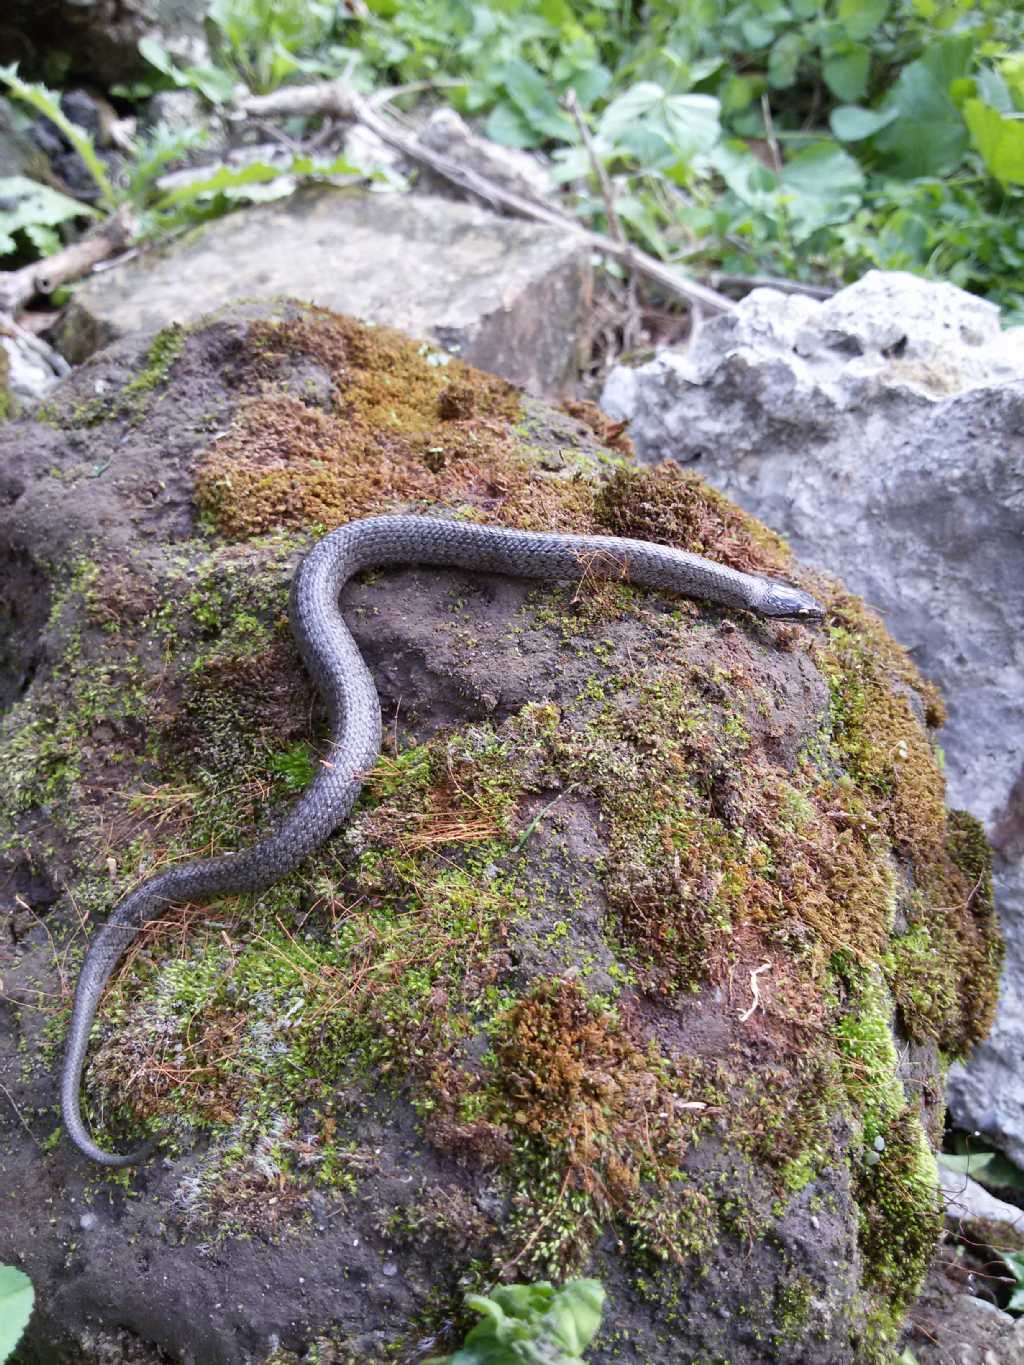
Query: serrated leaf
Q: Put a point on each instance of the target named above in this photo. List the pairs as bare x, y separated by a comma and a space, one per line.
17, 1298
861, 17
25, 202
999, 140
851, 123
692, 123
846, 73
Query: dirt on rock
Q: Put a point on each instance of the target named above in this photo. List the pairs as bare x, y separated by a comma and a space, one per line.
602, 976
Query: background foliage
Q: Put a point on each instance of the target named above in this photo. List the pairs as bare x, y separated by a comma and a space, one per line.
779, 137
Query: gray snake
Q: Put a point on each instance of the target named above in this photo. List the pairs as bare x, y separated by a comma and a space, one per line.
333, 660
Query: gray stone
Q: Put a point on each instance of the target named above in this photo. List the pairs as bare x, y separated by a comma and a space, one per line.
883, 433
967, 1202
509, 296
31, 367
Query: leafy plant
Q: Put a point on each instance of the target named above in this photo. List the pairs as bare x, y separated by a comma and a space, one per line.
531, 1324
17, 1298
988, 1168
46, 102
28, 207
1014, 1262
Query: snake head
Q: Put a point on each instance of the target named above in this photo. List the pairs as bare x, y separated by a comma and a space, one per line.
783, 600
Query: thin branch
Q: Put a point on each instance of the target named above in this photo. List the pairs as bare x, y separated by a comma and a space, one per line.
769, 134
748, 282
17, 287
607, 194
335, 97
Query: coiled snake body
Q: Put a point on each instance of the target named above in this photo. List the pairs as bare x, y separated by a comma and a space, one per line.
347, 688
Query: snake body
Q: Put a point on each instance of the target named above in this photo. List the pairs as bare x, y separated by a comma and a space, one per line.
334, 662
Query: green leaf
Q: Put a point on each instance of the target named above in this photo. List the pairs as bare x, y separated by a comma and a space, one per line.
861, 17
851, 123
49, 104
824, 184
633, 104
28, 206
17, 1298
1000, 141
692, 123
536, 102
846, 73
972, 1163
591, 84
505, 124
1012, 71
785, 59
154, 52
928, 135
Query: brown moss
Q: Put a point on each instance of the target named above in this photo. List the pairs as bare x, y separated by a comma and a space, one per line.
608, 431
676, 507
402, 429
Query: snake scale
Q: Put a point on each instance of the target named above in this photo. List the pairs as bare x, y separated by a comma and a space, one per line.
334, 662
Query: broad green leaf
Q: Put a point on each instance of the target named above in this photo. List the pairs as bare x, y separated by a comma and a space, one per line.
536, 102
634, 103
928, 135
591, 84
785, 59
861, 17
991, 88
824, 184
692, 123
17, 1298
154, 52
1012, 71
574, 1314
505, 124
846, 72
1000, 141
851, 123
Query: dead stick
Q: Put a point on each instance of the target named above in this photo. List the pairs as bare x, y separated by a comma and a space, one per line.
17, 287
573, 106
335, 97
748, 282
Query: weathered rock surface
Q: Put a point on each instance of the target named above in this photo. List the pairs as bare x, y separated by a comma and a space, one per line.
954, 1327
599, 977
883, 433
510, 297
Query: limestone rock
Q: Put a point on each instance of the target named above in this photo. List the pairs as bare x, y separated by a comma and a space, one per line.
510, 297
883, 433
598, 978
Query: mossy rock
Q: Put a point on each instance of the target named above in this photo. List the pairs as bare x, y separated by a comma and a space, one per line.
641, 956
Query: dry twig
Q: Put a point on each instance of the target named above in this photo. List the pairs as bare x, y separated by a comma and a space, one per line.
338, 98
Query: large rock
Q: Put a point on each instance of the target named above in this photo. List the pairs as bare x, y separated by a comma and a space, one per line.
509, 296
883, 433
599, 977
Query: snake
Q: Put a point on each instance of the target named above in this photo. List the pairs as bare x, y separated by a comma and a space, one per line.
346, 686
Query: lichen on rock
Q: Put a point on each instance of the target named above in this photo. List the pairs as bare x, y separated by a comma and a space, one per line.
614, 967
